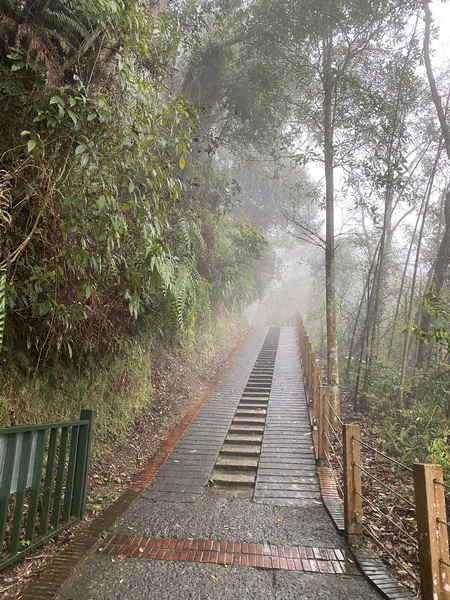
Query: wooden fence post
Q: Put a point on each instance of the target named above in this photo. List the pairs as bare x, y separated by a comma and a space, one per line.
352, 484
312, 366
433, 535
324, 427
306, 361
316, 394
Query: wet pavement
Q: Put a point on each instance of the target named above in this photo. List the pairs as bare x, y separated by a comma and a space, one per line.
185, 537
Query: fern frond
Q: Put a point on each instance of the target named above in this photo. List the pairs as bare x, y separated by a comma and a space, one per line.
193, 238
61, 21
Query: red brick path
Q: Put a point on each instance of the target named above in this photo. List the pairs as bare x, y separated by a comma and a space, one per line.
263, 556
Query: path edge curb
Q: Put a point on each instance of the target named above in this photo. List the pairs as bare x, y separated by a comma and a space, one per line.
86, 541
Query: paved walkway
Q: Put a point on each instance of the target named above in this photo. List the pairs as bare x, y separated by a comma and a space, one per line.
181, 538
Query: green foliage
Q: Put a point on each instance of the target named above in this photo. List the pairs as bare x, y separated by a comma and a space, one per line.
119, 386
236, 250
100, 236
439, 308
419, 432
411, 435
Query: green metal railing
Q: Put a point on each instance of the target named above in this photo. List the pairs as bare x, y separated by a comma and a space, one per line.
43, 483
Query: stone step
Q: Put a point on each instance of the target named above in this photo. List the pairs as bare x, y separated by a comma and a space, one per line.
252, 405
233, 479
236, 462
240, 449
244, 438
250, 412
258, 385
249, 420
263, 372
249, 429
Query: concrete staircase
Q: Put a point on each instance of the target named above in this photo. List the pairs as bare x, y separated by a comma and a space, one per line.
237, 464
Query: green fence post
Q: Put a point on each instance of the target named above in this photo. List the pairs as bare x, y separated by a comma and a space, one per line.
82, 464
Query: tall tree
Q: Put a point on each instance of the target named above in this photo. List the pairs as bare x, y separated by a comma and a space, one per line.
441, 263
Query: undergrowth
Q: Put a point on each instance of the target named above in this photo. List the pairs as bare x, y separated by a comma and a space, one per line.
420, 431
118, 387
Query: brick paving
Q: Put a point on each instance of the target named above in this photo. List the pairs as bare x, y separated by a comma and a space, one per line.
330, 497
263, 556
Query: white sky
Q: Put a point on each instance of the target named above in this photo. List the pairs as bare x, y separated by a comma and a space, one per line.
441, 16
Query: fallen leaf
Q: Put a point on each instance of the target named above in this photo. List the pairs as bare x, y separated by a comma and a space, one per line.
141, 549
121, 556
280, 519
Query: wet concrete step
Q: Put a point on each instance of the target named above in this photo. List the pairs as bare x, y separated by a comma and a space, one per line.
250, 412
252, 405
249, 420
254, 399
236, 462
244, 438
248, 429
233, 479
240, 449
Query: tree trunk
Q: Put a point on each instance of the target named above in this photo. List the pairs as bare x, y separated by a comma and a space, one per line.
407, 338
330, 262
443, 257
439, 274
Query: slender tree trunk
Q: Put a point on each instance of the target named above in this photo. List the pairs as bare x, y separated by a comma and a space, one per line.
405, 269
445, 130
443, 257
376, 293
358, 314
330, 263
363, 349
410, 305
439, 274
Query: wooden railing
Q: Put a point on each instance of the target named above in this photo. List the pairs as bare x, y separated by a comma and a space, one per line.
341, 444
43, 482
